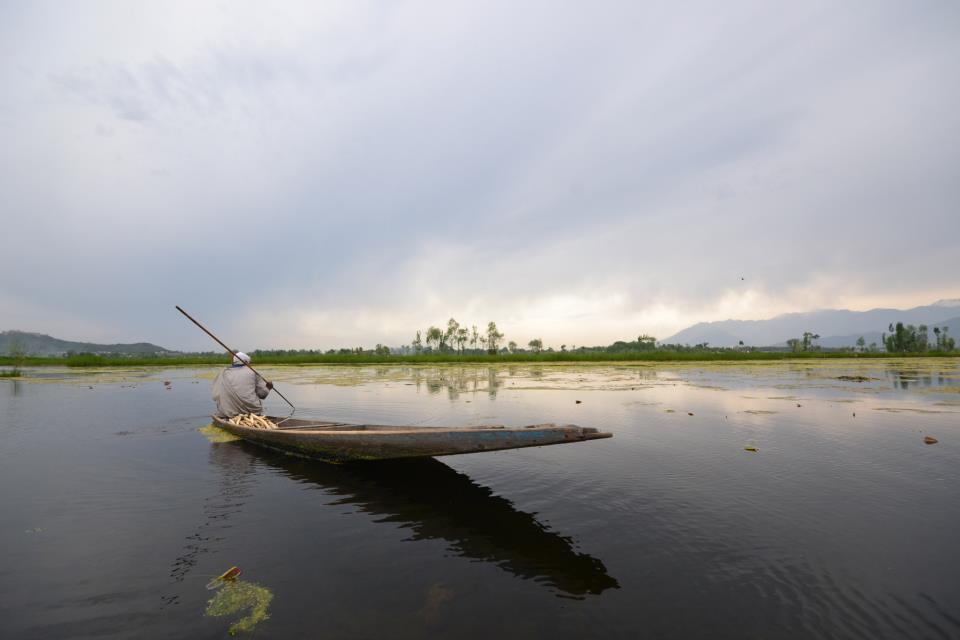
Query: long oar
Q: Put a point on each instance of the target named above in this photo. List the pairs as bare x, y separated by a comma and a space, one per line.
232, 352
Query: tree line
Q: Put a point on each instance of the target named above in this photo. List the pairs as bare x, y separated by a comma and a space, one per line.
901, 339
455, 338
911, 339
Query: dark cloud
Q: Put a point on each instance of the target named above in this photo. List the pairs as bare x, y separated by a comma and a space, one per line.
328, 175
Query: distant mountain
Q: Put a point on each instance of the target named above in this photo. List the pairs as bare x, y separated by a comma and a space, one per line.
38, 344
837, 327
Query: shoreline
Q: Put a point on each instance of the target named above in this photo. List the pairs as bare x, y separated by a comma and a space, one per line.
85, 361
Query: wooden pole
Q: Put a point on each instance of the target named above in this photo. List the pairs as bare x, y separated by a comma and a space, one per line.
231, 352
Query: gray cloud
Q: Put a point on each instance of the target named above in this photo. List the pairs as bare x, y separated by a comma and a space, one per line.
328, 175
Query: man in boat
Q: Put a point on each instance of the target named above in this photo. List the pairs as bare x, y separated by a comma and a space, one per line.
237, 389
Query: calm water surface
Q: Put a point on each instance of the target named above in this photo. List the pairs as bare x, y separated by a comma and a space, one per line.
117, 510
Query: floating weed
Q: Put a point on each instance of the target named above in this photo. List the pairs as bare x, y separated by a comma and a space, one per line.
239, 595
216, 435
759, 412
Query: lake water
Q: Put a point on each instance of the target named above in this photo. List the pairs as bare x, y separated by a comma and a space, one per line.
117, 509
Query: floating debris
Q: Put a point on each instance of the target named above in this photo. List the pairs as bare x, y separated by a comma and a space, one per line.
229, 574
578, 401
751, 449
669, 411
689, 413
238, 595
799, 405
34, 530
855, 378
930, 440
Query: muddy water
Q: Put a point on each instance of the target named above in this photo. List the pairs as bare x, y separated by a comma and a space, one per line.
119, 507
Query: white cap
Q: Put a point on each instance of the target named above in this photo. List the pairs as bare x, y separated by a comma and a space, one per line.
241, 358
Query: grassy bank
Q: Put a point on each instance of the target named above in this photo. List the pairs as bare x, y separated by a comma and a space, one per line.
660, 355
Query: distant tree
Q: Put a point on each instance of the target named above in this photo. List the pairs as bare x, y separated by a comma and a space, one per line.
16, 351
474, 337
462, 336
512, 346
434, 336
861, 343
795, 345
808, 341
922, 342
563, 348
493, 338
418, 343
646, 343
381, 350
536, 345
936, 332
946, 342
450, 336
907, 338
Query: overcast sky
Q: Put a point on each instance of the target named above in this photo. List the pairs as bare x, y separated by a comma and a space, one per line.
340, 174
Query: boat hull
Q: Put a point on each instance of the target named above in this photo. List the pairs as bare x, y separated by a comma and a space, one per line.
340, 442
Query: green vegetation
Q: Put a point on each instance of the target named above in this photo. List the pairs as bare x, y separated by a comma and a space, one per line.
911, 339
239, 595
804, 344
437, 345
16, 357
369, 357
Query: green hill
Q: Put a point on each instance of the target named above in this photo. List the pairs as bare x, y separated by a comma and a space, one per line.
38, 344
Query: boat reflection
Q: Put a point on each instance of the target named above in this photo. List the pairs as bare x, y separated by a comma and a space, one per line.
436, 502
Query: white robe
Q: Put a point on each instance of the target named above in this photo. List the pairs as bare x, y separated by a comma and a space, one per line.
238, 390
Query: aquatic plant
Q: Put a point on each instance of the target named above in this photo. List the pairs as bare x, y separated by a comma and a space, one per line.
239, 595
216, 435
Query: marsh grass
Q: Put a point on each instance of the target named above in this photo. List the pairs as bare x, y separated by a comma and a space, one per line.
11, 373
660, 355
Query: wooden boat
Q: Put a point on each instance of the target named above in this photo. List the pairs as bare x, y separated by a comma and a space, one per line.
340, 441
